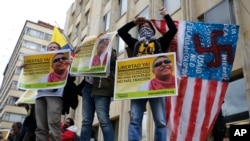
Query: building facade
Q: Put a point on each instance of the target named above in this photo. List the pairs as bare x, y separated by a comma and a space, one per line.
91, 17
33, 38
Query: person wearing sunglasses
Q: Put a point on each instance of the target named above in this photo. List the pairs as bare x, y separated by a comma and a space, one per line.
60, 65
52, 103
49, 103
147, 44
163, 69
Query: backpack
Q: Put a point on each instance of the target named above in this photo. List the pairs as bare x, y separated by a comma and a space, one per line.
76, 137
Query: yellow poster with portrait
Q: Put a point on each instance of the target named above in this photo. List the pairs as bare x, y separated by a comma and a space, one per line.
83, 56
93, 59
146, 77
47, 70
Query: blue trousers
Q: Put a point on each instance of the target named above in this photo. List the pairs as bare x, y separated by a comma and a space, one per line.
138, 107
100, 105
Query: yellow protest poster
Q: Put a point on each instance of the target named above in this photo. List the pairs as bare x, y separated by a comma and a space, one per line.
93, 59
45, 70
82, 58
28, 97
146, 77
4, 133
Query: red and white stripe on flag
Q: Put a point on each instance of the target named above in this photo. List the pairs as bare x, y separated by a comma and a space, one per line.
160, 25
202, 84
191, 115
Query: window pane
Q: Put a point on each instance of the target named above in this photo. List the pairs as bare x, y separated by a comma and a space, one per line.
107, 21
172, 5
18, 70
235, 99
35, 33
7, 116
47, 37
121, 45
21, 56
232, 12
31, 45
43, 48
145, 13
86, 19
123, 6
15, 117
219, 14
14, 85
77, 30
12, 100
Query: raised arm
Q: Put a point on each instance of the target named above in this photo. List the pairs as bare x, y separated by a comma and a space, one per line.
126, 37
169, 35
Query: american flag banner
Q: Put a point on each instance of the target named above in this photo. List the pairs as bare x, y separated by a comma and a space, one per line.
205, 56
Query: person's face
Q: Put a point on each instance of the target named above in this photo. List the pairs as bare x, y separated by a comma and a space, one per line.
66, 123
60, 63
15, 130
53, 47
162, 68
102, 46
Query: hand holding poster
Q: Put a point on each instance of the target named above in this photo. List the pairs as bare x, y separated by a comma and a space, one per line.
45, 70
146, 77
94, 56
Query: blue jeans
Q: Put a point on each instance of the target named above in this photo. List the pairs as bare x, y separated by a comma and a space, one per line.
101, 105
138, 107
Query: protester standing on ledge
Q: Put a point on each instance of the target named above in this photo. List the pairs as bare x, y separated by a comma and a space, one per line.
48, 108
147, 44
96, 97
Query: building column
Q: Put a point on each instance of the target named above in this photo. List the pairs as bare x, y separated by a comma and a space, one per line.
244, 41
150, 124
124, 120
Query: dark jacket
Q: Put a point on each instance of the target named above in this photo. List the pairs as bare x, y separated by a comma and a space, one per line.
164, 40
70, 95
29, 126
105, 86
79, 87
